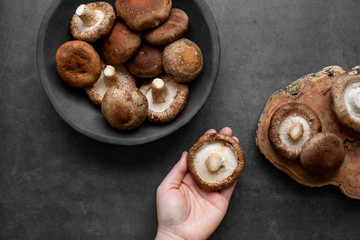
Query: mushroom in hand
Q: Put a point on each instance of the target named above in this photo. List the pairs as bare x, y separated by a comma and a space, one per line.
291, 126
171, 30
109, 77
78, 64
92, 21
144, 14
322, 154
345, 93
215, 161
166, 98
124, 107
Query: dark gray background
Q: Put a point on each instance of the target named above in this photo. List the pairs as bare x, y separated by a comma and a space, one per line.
58, 184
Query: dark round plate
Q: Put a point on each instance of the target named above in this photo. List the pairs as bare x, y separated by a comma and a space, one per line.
75, 107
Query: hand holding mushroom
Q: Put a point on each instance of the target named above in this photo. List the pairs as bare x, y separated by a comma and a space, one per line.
185, 210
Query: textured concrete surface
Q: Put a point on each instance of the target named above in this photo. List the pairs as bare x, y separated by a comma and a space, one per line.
58, 184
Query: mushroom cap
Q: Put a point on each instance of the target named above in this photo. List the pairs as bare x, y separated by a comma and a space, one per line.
215, 161
172, 29
345, 94
106, 19
120, 45
322, 154
281, 131
144, 14
97, 91
124, 107
78, 64
175, 100
183, 60
147, 62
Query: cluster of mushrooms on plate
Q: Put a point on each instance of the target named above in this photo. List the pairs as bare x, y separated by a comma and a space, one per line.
131, 59
311, 130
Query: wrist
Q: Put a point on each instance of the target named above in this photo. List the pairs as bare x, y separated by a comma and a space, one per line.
166, 235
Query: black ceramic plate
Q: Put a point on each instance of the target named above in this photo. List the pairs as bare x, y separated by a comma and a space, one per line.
77, 110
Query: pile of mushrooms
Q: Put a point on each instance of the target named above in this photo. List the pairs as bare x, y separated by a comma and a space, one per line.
311, 130
131, 78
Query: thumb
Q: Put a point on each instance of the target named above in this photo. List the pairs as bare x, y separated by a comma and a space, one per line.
177, 173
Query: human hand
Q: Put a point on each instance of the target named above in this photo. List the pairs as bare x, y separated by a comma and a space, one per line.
186, 211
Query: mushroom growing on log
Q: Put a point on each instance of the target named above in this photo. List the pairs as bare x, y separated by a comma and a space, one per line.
291, 126
314, 90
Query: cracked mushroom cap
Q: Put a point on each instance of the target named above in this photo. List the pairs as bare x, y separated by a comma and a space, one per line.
78, 64
124, 107
147, 62
110, 76
92, 21
120, 45
291, 126
215, 161
345, 93
166, 98
322, 154
172, 29
144, 14
183, 60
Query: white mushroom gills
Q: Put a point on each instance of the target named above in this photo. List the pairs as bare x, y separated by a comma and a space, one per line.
214, 162
222, 159
88, 16
296, 131
159, 90
110, 76
352, 100
291, 134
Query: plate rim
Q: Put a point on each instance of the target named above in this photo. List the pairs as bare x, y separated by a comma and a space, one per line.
214, 34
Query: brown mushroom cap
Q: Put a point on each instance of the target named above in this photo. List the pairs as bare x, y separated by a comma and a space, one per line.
92, 21
124, 107
345, 93
215, 161
172, 29
120, 45
322, 154
291, 126
147, 62
78, 64
110, 76
183, 60
166, 98
144, 14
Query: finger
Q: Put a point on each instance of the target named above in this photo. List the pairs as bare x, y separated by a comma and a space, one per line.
211, 131
227, 131
236, 139
177, 173
227, 192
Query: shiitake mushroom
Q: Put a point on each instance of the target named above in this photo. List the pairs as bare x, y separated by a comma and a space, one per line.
291, 126
215, 161
322, 154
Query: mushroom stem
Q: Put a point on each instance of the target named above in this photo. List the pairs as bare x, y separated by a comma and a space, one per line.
214, 162
110, 76
296, 131
159, 90
87, 15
